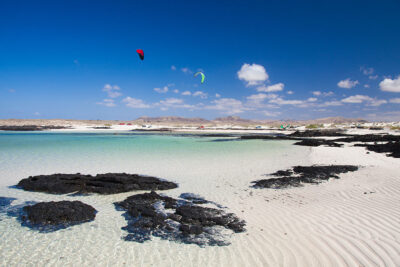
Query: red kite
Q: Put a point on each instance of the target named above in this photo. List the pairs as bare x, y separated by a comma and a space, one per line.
140, 53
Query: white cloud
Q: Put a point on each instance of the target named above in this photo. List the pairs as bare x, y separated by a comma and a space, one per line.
280, 101
312, 99
366, 85
253, 74
390, 85
327, 93
373, 77
36, 113
107, 102
112, 91
377, 102
201, 94
271, 88
347, 83
367, 71
186, 93
395, 100
290, 92
135, 103
317, 93
176, 91
228, 105
356, 99
171, 101
173, 67
271, 114
186, 71
331, 103
217, 95
161, 90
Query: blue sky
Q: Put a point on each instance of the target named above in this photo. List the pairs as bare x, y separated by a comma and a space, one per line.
262, 59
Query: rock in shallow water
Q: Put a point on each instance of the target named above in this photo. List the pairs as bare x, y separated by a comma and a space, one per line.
303, 174
59, 214
151, 214
109, 183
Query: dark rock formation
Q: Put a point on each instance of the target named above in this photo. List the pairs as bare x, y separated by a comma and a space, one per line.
392, 148
45, 216
370, 138
172, 219
317, 142
109, 183
30, 128
318, 133
303, 174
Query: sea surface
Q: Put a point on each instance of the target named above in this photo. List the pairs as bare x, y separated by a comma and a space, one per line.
215, 168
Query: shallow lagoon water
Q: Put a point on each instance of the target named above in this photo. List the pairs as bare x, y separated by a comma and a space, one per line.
219, 171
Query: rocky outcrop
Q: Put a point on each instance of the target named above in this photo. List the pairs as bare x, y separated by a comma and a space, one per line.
30, 128
317, 142
109, 183
59, 214
151, 214
391, 148
318, 133
300, 175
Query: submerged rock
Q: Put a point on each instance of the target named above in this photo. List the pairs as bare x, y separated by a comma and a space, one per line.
303, 174
47, 215
5, 203
109, 183
151, 214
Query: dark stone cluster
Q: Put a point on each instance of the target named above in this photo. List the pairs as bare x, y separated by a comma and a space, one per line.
30, 128
151, 214
303, 174
47, 216
108, 183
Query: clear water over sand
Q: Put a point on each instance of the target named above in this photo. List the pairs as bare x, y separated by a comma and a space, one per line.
219, 171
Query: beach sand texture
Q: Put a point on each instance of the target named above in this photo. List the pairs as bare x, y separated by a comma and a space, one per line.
352, 221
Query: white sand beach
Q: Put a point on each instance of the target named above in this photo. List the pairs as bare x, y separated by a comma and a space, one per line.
351, 221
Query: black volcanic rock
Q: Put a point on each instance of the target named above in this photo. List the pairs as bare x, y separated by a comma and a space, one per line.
392, 148
108, 183
61, 214
30, 128
317, 142
318, 133
151, 214
370, 138
303, 174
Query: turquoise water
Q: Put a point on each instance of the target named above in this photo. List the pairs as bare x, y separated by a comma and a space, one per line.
219, 171
32, 153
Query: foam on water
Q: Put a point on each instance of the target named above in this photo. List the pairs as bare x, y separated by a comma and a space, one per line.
220, 172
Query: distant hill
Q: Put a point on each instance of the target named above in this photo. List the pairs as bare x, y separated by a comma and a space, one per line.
170, 120
180, 121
